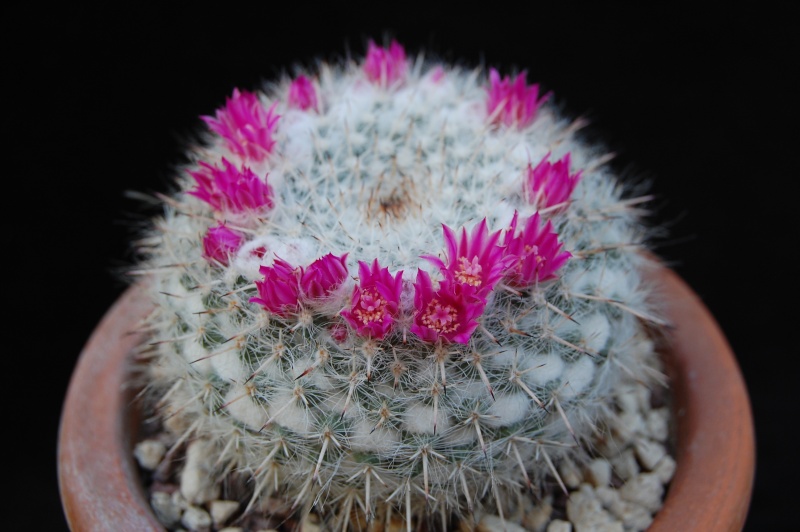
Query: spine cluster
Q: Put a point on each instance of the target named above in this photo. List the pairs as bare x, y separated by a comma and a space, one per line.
391, 285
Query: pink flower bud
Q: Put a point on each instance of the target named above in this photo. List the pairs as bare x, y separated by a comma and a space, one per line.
550, 184
385, 66
231, 190
536, 250
323, 276
512, 102
302, 94
219, 243
279, 291
245, 125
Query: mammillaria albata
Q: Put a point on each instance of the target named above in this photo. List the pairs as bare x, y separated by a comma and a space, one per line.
396, 286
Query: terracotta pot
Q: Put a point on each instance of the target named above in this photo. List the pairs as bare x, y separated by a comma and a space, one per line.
710, 491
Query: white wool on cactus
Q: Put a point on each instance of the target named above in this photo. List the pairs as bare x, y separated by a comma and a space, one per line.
392, 284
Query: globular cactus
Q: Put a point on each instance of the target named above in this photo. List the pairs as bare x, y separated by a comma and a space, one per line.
394, 285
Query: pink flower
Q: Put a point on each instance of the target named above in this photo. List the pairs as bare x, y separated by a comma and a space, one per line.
229, 189
245, 125
323, 276
279, 292
475, 260
549, 183
450, 313
385, 66
302, 94
512, 102
375, 300
219, 243
536, 250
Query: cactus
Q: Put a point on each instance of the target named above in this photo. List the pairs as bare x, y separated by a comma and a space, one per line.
395, 285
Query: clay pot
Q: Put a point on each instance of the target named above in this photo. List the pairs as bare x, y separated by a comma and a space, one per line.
97, 475
710, 490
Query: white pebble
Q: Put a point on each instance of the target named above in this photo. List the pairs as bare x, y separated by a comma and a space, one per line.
557, 525
627, 400
539, 515
624, 464
609, 497
221, 511
598, 472
643, 395
626, 425
179, 500
195, 518
570, 474
649, 453
586, 512
645, 489
175, 424
197, 482
149, 453
493, 523
657, 423
634, 516
665, 469
167, 512
310, 524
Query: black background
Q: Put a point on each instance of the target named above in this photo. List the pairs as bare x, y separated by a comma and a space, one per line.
101, 100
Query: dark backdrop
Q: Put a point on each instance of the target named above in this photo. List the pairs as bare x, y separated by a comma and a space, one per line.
101, 100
